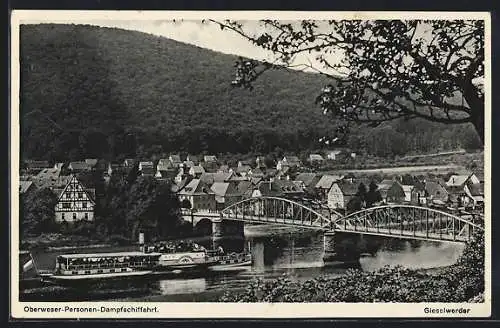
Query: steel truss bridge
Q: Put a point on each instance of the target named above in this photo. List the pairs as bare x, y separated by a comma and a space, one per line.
400, 221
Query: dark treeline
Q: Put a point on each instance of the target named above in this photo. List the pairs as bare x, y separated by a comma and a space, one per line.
382, 142
88, 91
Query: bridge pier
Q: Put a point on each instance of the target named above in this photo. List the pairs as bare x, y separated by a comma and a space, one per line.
217, 233
329, 246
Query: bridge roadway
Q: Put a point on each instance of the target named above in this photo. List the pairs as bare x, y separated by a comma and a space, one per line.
397, 221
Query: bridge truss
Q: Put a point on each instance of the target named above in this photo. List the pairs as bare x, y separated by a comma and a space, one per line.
401, 221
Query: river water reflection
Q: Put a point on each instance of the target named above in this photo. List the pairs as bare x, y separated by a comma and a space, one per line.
276, 251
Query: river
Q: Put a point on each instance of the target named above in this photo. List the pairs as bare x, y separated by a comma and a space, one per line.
277, 251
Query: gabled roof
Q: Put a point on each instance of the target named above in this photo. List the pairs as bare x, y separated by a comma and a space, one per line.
129, 162
79, 166
243, 169
432, 187
315, 157
175, 159
348, 188
326, 181
209, 158
457, 180
192, 158
32, 164
91, 161
50, 178
385, 184
257, 172
220, 188
476, 189
148, 171
197, 169
223, 168
144, 164
196, 187
243, 186
188, 163
278, 187
291, 159
89, 191
24, 186
215, 177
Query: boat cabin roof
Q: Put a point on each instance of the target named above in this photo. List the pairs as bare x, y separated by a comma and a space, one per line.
107, 255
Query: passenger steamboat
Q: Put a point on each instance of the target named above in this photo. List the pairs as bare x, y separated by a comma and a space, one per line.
150, 260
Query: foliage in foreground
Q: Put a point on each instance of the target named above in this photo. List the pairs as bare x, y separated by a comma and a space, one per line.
462, 282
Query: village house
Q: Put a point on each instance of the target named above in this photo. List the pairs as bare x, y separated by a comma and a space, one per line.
175, 160
224, 169
147, 169
435, 192
226, 193
260, 161
244, 163
47, 178
418, 194
408, 192
165, 164
210, 177
243, 170
166, 174
187, 165
278, 188
476, 194
209, 158
112, 167
145, 164
129, 163
308, 179
74, 202
391, 191
462, 180
196, 171
78, 167
256, 173
333, 154
59, 165
394, 193
315, 159
288, 161
92, 162
33, 167
458, 187
283, 173
341, 193
199, 195
325, 183
192, 158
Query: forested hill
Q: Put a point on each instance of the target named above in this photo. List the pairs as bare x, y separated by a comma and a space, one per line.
101, 92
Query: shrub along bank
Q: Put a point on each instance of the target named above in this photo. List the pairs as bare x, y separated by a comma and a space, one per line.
462, 282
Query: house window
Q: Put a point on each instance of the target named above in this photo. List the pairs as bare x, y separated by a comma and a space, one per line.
66, 205
84, 205
74, 216
62, 216
86, 216
80, 195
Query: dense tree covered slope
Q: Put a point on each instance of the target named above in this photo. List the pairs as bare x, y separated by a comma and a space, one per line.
101, 92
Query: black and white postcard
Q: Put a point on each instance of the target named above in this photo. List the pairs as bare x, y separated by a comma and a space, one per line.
250, 164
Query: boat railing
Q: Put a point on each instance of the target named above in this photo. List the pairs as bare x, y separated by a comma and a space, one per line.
110, 265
